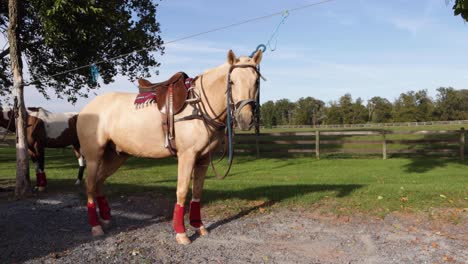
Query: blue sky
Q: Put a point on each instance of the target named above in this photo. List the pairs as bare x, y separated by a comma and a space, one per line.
363, 47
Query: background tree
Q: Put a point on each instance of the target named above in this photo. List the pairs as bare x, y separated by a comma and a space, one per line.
284, 110
346, 108
413, 107
424, 106
359, 112
379, 110
404, 108
307, 111
267, 112
54, 36
451, 104
460, 7
333, 114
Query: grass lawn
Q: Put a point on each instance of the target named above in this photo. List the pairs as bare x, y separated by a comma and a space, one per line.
343, 186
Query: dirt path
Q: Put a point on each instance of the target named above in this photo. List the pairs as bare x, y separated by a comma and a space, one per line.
53, 229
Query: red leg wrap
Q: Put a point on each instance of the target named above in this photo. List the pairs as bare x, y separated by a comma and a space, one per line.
41, 180
178, 219
195, 215
104, 209
92, 215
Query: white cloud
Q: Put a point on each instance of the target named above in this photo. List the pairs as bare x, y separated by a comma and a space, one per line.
413, 25
412, 21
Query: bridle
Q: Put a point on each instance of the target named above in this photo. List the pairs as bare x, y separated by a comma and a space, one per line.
233, 111
235, 108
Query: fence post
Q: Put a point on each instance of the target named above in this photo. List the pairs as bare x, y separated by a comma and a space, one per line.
257, 147
317, 144
384, 145
462, 144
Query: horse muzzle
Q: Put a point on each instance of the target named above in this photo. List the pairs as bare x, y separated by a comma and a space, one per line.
244, 114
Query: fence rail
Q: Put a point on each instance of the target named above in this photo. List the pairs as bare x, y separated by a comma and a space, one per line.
376, 125
433, 142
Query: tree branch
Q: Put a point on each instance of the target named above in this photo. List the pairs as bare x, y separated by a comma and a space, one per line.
4, 53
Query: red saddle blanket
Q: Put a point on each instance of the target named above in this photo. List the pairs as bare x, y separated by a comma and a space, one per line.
145, 98
150, 97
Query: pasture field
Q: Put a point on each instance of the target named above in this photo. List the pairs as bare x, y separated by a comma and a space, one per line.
338, 185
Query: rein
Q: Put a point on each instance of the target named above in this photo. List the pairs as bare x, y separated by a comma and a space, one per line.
233, 111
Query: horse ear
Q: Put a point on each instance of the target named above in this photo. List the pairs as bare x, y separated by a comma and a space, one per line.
257, 58
231, 58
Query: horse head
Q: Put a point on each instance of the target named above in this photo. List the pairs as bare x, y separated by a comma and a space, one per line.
243, 80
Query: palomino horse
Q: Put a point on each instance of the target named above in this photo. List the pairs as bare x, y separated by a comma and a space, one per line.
46, 130
110, 128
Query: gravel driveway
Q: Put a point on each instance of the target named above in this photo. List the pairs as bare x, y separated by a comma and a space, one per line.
53, 229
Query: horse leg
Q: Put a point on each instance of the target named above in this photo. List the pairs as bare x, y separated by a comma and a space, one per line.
81, 163
38, 156
199, 173
185, 168
94, 158
110, 163
33, 156
91, 183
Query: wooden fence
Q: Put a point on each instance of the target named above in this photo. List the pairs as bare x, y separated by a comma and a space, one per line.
381, 142
375, 125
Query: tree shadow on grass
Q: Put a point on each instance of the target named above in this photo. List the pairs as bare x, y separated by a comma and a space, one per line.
56, 221
432, 154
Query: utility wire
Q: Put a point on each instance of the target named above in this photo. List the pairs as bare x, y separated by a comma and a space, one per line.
194, 35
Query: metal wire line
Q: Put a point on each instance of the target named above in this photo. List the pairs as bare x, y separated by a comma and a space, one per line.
193, 36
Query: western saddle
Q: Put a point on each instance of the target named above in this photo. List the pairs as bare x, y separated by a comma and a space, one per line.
171, 98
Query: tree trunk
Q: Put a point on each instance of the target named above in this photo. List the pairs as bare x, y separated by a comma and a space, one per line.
23, 184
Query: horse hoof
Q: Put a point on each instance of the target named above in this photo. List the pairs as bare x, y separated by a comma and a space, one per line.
78, 182
41, 188
97, 231
182, 239
106, 224
202, 231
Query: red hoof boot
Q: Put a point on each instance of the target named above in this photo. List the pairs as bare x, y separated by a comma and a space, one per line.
178, 219
195, 214
92, 215
104, 208
41, 181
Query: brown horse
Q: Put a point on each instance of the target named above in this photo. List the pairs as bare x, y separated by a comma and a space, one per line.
110, 128
46, 130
